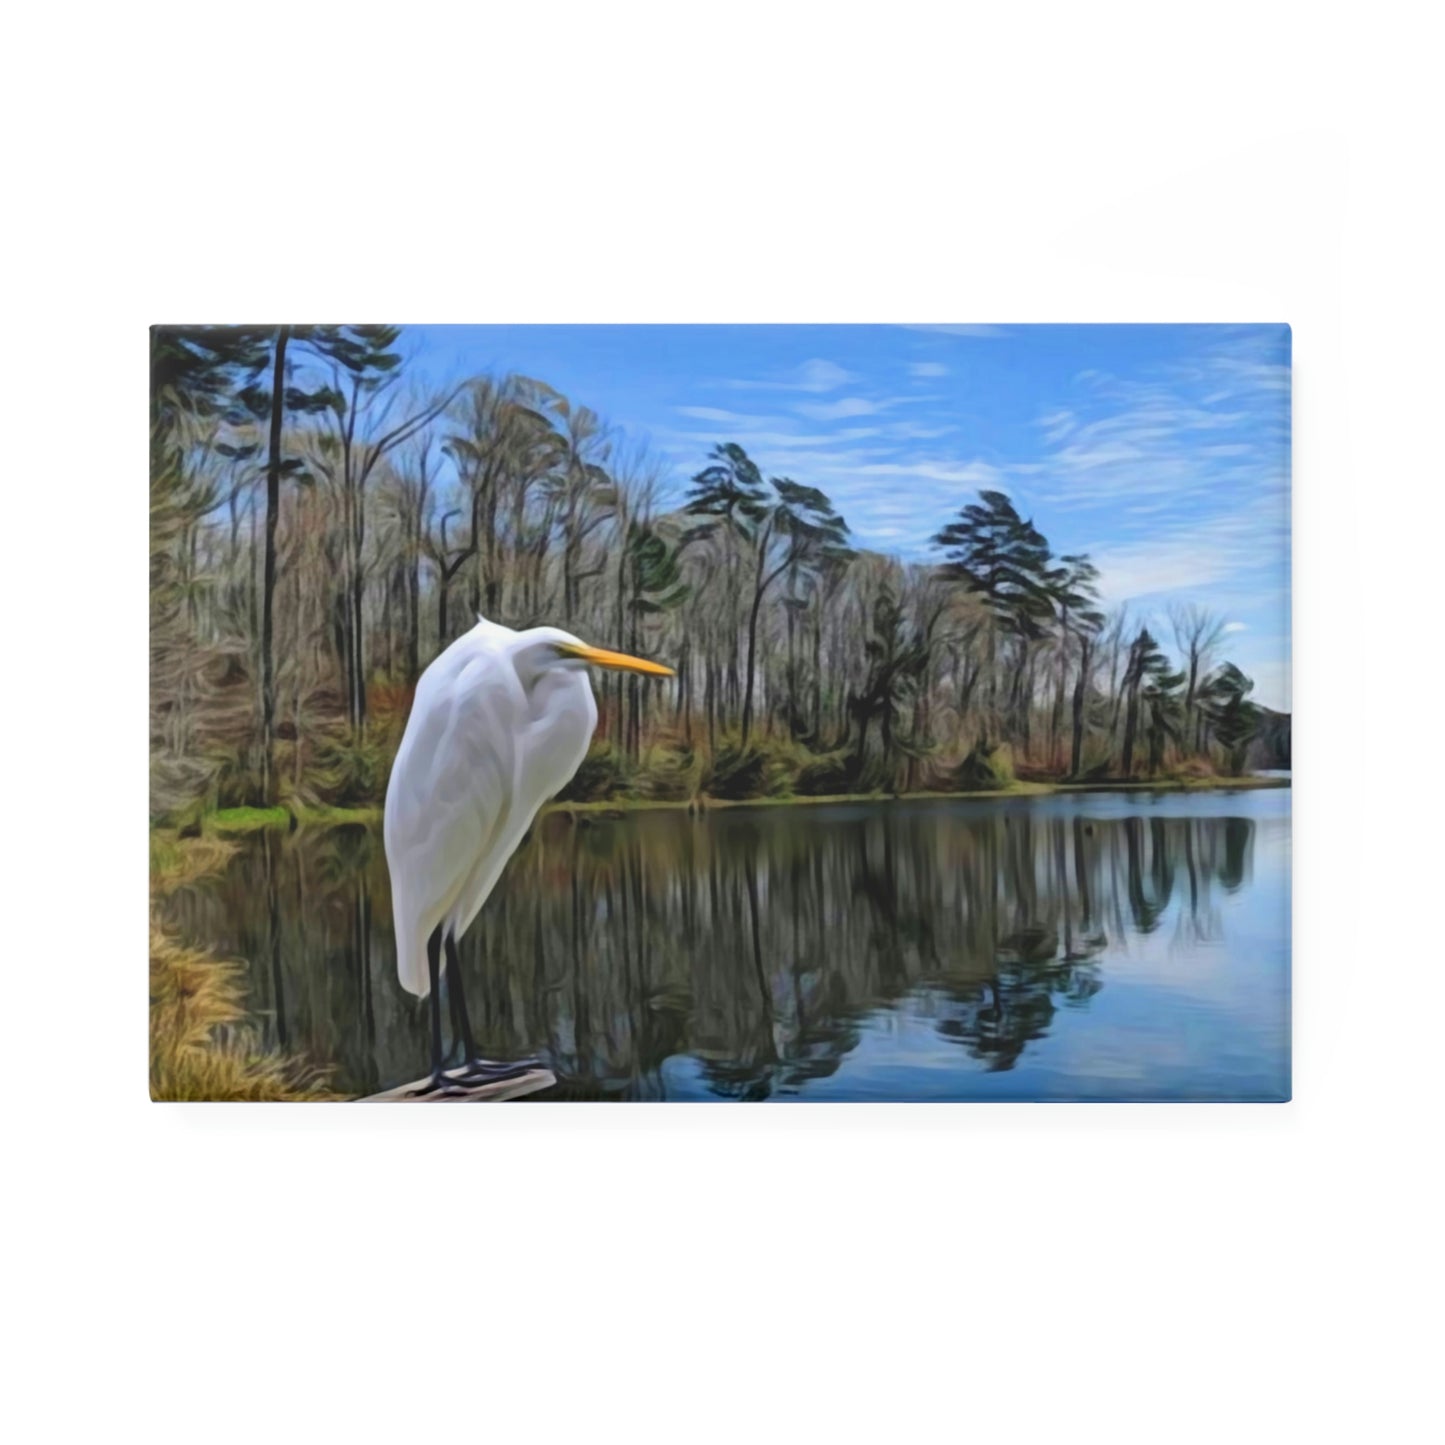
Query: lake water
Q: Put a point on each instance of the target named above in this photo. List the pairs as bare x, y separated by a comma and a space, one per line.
1088, 946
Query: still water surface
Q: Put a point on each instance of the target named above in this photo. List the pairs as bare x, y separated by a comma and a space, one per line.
1093, 946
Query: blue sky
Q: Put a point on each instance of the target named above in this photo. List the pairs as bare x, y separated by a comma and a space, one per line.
1161, 450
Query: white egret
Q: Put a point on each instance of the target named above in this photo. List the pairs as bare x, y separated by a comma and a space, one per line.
500, 723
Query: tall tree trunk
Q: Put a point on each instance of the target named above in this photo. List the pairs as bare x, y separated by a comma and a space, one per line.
752, 655
682, 712
1189, 694
860, 757
474, 595
624, 534
885, 732
1131, 724
992, 684
817, 671
760, 586
1116, 689
413, 609
494, 579
1025, 677
356, 600
1056, 723
792, 668
268, 578
638, 688
387, 629
709, 702
1081, 688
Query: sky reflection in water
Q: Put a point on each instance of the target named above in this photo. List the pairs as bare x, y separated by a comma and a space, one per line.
1099, 946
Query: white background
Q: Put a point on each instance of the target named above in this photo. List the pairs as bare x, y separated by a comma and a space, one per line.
546, 1274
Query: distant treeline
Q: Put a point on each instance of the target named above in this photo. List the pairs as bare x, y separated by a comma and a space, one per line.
321, 528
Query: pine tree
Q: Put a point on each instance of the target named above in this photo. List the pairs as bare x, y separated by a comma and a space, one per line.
1003, 560
1233, 719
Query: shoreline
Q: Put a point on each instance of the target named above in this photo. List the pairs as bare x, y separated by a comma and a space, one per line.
1017, 790
235, 822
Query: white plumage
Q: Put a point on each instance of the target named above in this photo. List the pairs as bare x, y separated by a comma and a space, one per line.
491, 737
500, 722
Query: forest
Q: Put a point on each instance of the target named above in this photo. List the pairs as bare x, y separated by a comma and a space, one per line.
322, 526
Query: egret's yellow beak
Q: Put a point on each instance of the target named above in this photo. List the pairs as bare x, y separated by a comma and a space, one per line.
601, 657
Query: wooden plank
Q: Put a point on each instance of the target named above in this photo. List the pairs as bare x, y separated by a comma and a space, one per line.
532, 1082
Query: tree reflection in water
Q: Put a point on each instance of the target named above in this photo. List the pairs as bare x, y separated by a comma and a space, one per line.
758, 943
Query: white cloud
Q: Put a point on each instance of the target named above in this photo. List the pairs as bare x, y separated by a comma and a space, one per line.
822, 376
908, 431
1174, 479
714, 413
816, 376
844, 407
1198, 556
1149, 441
1057, 425
1146, 569
971, 474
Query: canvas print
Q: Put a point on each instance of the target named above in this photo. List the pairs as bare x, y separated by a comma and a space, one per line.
720, 713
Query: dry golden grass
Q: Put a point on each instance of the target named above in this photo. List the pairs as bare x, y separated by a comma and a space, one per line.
202, 1045
178, 861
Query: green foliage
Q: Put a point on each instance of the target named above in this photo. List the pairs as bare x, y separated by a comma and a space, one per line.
232, 822
985, 770
655, 571
896, 662
731, 487
1234, 719
1148, 665
351, 771
1002, 558
195, 369
1073, 587
1096, 760
1163, 701
807, 518
826, 776
234, 782
604, 773
761, 768
668, 773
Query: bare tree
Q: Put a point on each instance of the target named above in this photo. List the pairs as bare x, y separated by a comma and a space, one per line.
1197, 633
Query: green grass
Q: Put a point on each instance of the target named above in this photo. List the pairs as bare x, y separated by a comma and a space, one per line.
176, 861
236, 822
323, 816
247, 820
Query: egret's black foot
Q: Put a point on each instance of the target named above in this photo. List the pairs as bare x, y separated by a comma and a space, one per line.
489, 1071
443, 1086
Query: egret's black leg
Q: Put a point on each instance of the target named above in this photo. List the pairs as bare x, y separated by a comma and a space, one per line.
439, 1082
460, 1022
475, 1070
460, 1027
